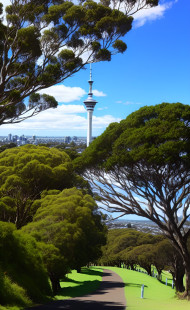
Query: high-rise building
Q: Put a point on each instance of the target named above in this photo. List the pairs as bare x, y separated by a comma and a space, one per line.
90, 104
67, 139
9, 137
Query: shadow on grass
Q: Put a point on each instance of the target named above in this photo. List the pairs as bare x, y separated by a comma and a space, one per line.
87, 271
91, 272
164, 282
83, 287
134, 285
87, 287
90, 301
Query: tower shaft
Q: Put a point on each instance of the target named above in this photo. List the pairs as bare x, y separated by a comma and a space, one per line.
89, 129
90, 104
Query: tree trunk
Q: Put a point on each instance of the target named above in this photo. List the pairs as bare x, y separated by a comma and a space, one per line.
147, 268
186, 263
55, 284
187, 274
159, 273
178, 278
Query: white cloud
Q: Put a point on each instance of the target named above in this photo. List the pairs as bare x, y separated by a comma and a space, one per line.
71, 109
104, 121
68, 94
58, 121
98, 93
64, 93
144, 15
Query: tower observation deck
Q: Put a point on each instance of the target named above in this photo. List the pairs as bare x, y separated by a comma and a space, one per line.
90, 104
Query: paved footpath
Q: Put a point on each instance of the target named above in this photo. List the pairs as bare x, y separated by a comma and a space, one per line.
109, 296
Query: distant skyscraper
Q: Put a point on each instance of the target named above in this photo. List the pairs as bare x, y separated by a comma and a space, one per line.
9, 137
90, 104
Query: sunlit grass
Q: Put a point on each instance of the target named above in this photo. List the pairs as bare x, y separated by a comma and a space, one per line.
157, 296
79, 284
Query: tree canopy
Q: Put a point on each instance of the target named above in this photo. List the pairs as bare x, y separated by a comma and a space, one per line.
70, 230
42, 43
27, 171
133, 248
142, 166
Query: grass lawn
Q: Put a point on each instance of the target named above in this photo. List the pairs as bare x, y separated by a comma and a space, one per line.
157, 296
79, 284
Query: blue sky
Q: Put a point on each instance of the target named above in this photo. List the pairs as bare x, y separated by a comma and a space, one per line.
154, 69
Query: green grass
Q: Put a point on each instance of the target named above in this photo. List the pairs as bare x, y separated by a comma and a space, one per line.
157, 296
79, 284
165, 275
11, 308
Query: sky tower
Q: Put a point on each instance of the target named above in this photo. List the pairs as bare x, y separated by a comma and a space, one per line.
90, 104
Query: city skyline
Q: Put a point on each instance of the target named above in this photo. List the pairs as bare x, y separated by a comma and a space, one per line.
154, 69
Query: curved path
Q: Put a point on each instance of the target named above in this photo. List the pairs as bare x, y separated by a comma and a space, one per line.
109, 296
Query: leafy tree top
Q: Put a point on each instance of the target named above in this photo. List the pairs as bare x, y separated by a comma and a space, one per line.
27, 171
43, 42
36, 167
153, 135
69, 220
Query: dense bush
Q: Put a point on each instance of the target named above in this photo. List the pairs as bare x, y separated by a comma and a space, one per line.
21, 267
11, 293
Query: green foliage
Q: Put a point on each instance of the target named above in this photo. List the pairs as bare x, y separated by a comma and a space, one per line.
134, 248
11, 293
147, 158
30, 56
125, 245
7, 146
69, 230
120, 46
21, 267
24, 173
156, 134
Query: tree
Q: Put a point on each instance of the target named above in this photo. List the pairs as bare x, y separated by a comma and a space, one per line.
142, 166
7, 146
142, 255
20, 260
121, 241
166, 256
70, 231
27, 171
44, 42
